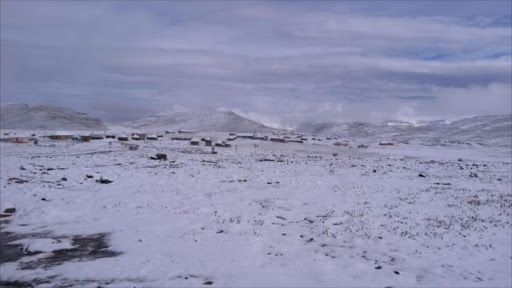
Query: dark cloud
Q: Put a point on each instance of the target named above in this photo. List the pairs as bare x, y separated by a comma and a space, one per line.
273, 61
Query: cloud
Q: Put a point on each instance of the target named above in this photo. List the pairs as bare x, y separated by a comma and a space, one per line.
275, 61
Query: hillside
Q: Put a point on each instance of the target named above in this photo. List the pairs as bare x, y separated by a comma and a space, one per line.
218, 121
486, 129
46, 117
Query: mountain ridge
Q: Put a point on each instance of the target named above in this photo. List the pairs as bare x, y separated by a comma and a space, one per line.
46, 117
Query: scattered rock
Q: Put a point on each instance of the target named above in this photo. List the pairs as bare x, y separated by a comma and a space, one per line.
89, 176
422, 175
43, 199
208, 282
17, 180
378, 267
10, 210
161, 156
220, 231
473, 175
374, 171
396, 272
22, 168
64, 179
104, 180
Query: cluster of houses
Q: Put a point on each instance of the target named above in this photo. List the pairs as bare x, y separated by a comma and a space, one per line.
209, 142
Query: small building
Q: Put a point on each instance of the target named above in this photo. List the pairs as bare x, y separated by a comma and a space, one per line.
96, 137
231, 138
85, 138
160, 136
194, 142
111, 136
20, 140
122, 138
139, 136
152, 137
207, 142
278, 139
181, 138
61, 137
245, 136
386, 143
341, 144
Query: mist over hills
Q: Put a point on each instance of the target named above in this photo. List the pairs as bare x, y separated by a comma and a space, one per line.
489, 128
213, 121
486, 129
46, 117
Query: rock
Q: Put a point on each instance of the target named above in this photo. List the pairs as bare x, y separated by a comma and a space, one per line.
17, 180
43, 199
374, 171
473, 175
396, 272
161, 156
422, 175
208, 282
10, 210
89, 176
104, 180
378, 267
64, 179
22, 168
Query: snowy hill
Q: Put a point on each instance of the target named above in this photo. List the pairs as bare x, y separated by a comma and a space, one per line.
493, 128
46, 117
218, 121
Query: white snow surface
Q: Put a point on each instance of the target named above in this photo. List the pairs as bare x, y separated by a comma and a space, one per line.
308, 218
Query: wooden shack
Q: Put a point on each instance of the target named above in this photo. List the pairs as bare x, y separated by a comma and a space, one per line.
194, 142
20, 140
152, 137
111, 136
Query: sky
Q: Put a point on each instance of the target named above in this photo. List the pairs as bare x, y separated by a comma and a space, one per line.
278, 62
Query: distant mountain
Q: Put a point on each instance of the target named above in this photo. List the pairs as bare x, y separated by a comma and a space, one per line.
46, 117
491, 128
485, 129
217, 121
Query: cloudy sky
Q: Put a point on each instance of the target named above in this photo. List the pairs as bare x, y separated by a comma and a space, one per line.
274, 61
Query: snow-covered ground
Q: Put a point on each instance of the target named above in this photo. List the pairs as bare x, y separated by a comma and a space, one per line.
257, 214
